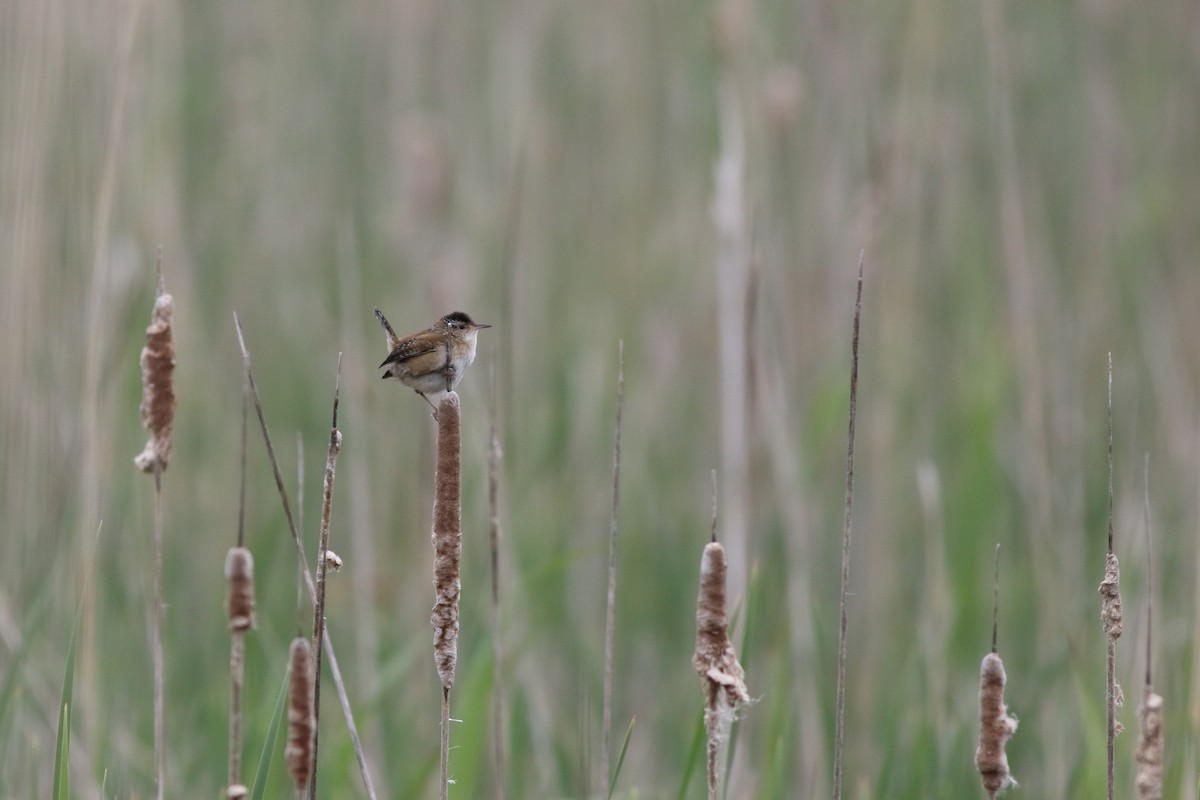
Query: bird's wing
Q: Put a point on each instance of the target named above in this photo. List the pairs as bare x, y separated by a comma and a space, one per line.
415, 349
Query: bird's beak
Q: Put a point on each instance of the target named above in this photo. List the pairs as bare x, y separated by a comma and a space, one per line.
481, 325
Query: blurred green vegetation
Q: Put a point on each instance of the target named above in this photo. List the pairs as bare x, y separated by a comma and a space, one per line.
1021, 176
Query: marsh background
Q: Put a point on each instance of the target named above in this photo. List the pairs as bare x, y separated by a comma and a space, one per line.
1022, 178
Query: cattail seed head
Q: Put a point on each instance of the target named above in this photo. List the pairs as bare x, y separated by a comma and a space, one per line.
1110, 590
996, 726
447, 538
298, 752
158, 386
1150, 747
239, 570
715, 659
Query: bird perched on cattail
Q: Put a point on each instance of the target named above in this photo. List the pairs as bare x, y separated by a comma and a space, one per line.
431, 361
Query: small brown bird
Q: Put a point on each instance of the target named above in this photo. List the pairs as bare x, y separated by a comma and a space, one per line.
432, 361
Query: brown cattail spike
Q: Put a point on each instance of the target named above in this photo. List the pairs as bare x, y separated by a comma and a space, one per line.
1110, 590
996, 726
239, 569
298, 752
715, 659
158, 386
447, 538
1150, 747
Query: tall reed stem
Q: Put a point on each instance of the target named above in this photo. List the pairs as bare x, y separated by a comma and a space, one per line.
847, 525
610, 615
335, 446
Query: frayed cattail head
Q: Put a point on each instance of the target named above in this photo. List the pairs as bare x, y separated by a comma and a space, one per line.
1110, 590
298, 752
447, 538
158, 386
1150, 747
239, 570
715, 659
996, 726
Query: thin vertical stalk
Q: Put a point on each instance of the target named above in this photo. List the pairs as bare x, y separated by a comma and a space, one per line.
335, 446
494, 456
156, 637
847, 526
240, 610
610, 614
1110, 612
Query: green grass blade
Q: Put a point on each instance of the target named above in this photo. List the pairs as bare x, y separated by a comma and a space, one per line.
62, 749
62, 752
621, 758
264, 761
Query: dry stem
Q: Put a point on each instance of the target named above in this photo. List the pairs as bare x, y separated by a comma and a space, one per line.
494, 456
1110, 614
323, 562
847, 526
610, 614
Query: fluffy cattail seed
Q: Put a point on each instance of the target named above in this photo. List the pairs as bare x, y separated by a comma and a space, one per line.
447, 538
333, 562
298, 752
996, 726
236, 792
158, 386
239, 570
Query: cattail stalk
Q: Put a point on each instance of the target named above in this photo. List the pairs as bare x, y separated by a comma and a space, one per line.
158, 416
447, 559
494, 455
715, 658
323, 563
610, 615
299, 750
1110, 612
239, 607
847, 527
